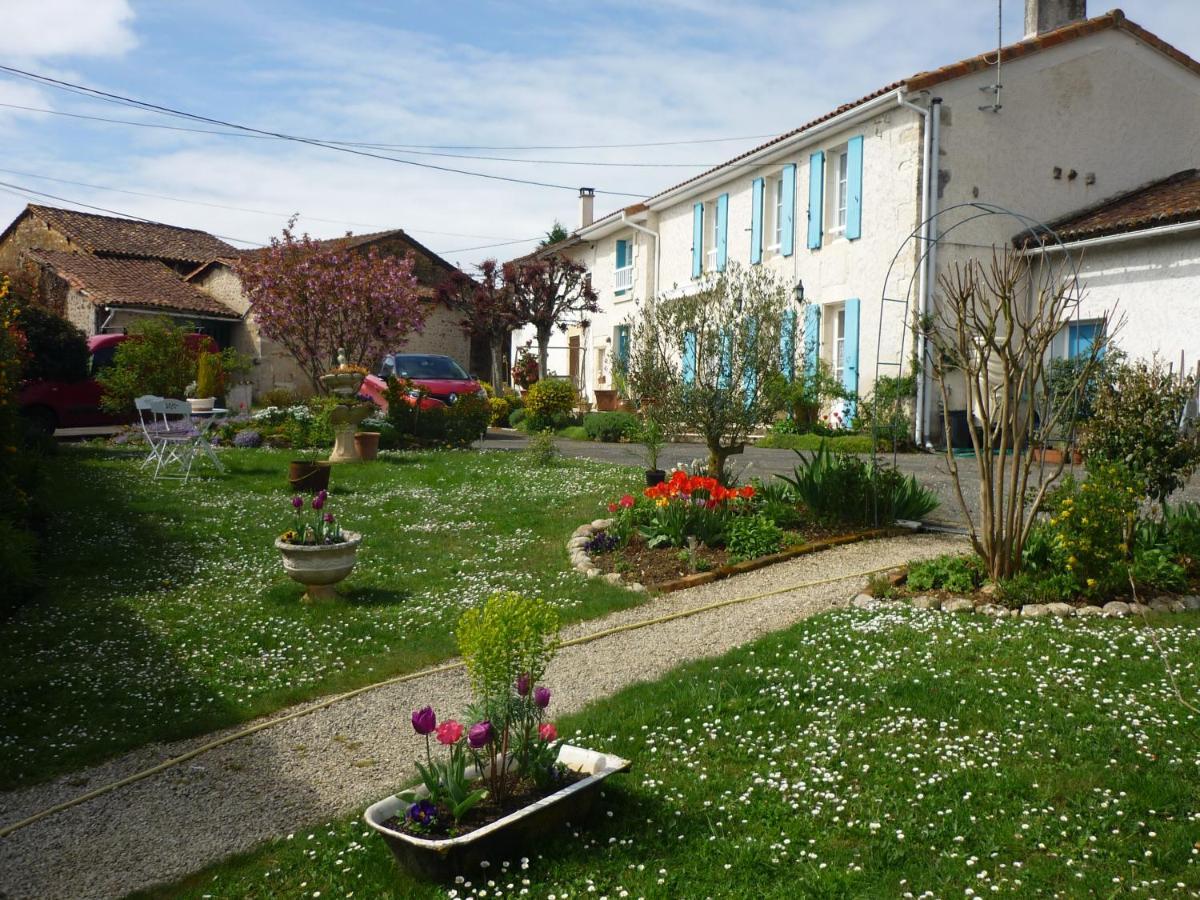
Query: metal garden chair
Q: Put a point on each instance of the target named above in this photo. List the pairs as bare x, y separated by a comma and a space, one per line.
178, 439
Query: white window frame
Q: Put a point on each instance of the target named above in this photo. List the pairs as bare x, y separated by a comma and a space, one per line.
776, 214
838, 344
841, 191
618, 287
711, 237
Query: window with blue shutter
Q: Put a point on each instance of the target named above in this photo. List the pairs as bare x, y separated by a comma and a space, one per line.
787, 345
726, 375
697, 240
816, 199
623, 260
787, 233
722, 231
622, 348
749, 376
854, 181
756, 221
689, 357
850, 373
812, 339
1081, 336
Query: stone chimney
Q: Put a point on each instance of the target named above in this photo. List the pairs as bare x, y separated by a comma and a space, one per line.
1046, 15
587, 206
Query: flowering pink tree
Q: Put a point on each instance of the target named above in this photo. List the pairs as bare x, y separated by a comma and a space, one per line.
314, 298
489, 309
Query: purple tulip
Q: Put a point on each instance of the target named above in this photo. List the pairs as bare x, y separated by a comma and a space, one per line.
424, 721
297, 502
318, 502
323, 494
523, 684
329, 518
541, 696
480, 734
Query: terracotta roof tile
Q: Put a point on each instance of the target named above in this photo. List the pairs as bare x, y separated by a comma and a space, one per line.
1173, 199
139, 283
130, 237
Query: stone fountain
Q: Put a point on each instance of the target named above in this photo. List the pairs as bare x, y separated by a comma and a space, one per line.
344, 382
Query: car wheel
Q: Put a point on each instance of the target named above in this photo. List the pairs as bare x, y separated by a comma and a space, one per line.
40, 420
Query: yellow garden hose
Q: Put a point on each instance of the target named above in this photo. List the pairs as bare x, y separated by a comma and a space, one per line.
399, 679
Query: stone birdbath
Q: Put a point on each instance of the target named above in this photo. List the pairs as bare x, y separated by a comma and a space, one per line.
344, 382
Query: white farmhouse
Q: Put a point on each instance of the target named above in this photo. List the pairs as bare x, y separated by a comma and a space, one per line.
1079, 112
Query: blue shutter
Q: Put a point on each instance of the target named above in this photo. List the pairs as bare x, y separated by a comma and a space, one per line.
697, 240
816, 199
850, 375
756, 221
854, 172
726, 360
689, 357
722, 231
812, 339
787, 234
787, 345
623, 347
749, 376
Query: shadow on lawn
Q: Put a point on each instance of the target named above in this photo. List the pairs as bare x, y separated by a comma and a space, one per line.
84, 674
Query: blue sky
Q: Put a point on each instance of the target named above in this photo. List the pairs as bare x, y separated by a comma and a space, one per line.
496, 74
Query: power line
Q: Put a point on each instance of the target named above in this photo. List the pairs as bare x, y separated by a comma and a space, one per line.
166, 110
261, 212
373, 145
487, 246
395, 148
30, 192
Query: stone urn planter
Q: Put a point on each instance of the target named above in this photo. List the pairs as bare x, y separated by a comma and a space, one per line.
366, 444
320, 566
518, 832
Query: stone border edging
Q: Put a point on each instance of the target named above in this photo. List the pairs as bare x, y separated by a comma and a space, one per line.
1113, 609
583, 563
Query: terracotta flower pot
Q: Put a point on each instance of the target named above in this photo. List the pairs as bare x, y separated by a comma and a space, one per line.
367, 444
320, 566
606, 401
308, 476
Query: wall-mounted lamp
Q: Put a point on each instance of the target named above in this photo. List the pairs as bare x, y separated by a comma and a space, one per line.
799, 291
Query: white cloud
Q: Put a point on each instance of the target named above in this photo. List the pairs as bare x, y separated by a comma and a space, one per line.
41, 29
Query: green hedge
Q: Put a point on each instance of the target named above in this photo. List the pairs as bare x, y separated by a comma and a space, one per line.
847, 443
610, 427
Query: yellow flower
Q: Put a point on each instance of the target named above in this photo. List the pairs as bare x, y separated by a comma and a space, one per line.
661, 501
1091, 582
1071, 561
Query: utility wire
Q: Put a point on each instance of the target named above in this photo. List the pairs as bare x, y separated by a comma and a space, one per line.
487, 246
166, 110
395, 148
371, 145
261, 212
30, 192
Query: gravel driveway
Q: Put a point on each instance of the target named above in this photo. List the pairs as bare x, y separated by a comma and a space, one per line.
339, 759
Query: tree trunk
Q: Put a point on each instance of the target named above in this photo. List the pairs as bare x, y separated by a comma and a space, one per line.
543, 340
496, 346
717, 455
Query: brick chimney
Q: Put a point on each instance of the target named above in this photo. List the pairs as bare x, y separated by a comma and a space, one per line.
1046, 15
587, 204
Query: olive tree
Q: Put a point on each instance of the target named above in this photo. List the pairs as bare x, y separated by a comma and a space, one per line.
705, 362
990, 343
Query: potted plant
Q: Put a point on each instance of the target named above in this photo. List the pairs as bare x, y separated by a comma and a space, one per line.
501, 784
316, 551
653, 439
206, 387
366, 441
309, 474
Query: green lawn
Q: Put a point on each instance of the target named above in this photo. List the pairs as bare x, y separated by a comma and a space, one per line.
168, 613
890, 754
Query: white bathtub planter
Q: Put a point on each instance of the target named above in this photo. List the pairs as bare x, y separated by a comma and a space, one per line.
499, 788
316, 552
514, 834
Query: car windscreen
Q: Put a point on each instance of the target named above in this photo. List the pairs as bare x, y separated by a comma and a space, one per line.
434, 368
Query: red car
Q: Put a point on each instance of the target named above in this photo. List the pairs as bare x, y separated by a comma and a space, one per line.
48, 405
439, 377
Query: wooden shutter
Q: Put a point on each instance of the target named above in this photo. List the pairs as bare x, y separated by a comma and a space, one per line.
722, 231
787, 234
697, 240
816, 199
854, 184
850, 351
756, 221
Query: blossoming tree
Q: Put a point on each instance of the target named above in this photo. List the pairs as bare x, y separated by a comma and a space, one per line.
490, 310
548, 292
314, 298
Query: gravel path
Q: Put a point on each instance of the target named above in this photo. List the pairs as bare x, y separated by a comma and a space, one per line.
338, 760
